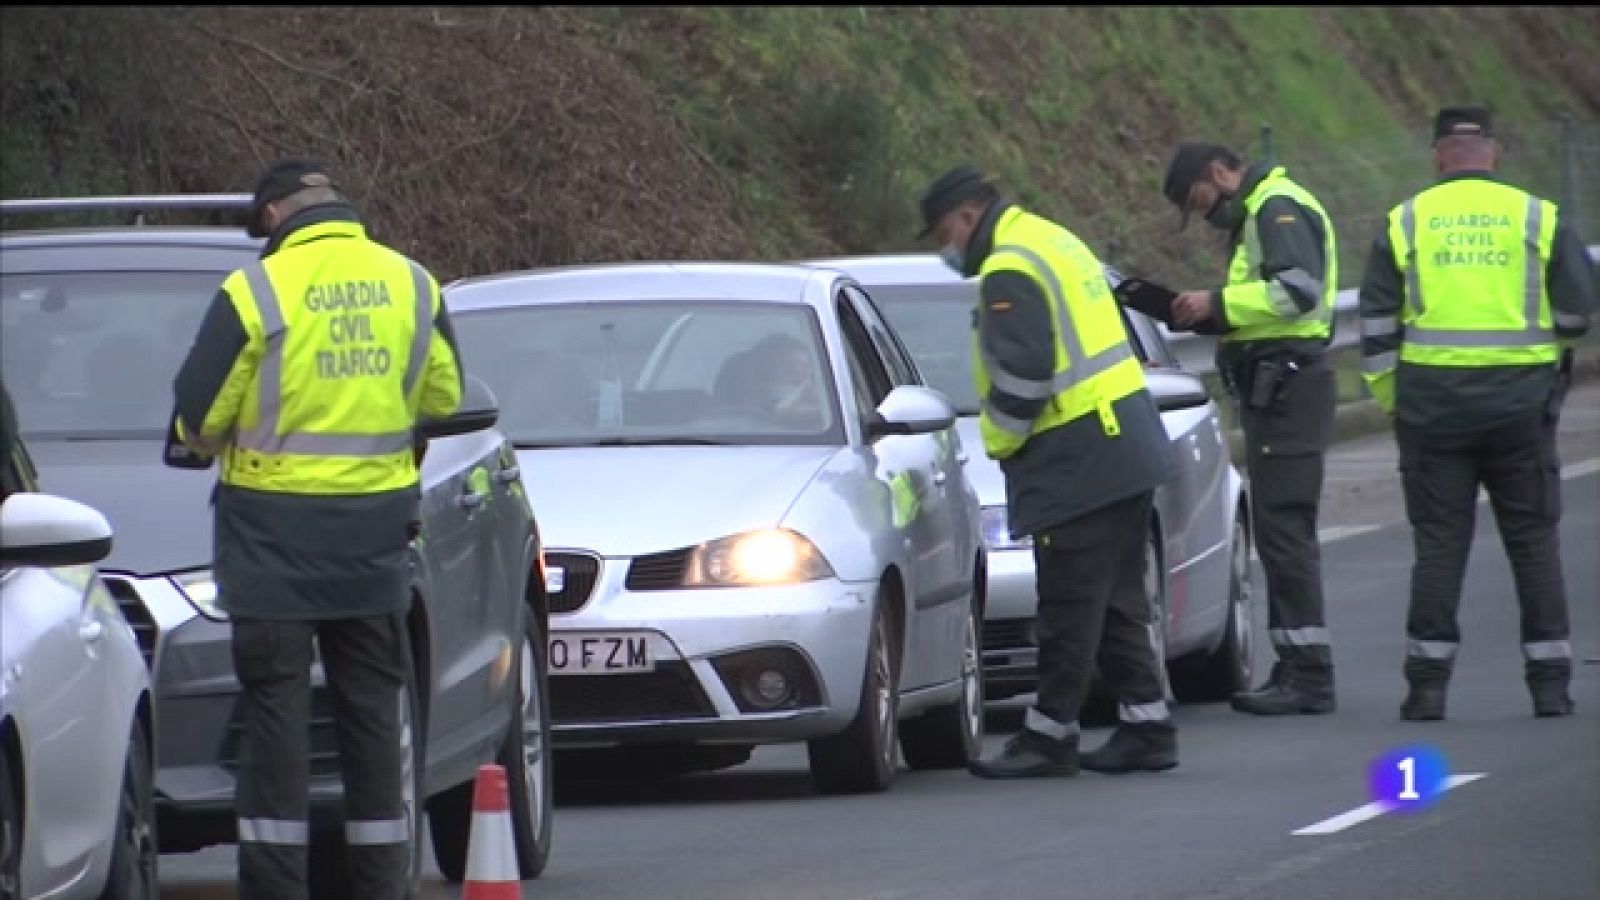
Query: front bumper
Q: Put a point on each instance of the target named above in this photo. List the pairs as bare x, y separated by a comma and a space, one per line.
707, 648
198, 725
1010, 642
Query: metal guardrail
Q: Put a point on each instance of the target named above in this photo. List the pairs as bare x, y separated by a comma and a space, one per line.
1196, 352
135, 204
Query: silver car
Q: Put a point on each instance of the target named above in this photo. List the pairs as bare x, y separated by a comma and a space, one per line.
76, 733
1197, 560
94, 322
759, 529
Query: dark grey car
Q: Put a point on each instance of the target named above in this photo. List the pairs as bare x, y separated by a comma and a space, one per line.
95, 322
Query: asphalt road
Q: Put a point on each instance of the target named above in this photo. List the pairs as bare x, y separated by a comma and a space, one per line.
1221, 825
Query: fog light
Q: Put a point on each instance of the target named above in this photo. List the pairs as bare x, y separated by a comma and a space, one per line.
768, 690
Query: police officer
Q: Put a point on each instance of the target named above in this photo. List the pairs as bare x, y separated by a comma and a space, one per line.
1066, 412
1275, 317
1470, 291
308, 375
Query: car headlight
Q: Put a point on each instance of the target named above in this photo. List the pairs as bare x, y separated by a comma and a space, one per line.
200, 588
769, 556
997, 534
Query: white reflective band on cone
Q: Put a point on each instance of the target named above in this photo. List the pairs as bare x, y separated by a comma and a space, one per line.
492, 850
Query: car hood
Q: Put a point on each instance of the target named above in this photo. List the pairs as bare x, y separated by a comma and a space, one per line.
160, 516
629, 501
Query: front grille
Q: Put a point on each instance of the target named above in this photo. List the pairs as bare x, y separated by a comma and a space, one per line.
659, 571
670, 692
324, 743
133, 609
1005, 634
579, 574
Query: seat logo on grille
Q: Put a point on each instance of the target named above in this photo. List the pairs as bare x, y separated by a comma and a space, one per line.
555, 579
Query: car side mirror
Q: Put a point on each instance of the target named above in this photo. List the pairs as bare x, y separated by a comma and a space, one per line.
1176, 390
45, 530
911, 409
479, 412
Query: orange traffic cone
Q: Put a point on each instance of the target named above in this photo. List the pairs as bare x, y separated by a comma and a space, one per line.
491, 848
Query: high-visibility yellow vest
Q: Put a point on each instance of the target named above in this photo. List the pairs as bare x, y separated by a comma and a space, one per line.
1472, 254
1094, 366
1246, 290
339, 329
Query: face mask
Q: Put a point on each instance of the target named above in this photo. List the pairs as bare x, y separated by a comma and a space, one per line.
1225, 214
953, 258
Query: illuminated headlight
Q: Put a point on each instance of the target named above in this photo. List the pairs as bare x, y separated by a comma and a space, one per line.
770, 556
201, 590
997, 534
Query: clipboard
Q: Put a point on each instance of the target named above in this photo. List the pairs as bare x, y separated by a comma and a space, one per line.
1155, 301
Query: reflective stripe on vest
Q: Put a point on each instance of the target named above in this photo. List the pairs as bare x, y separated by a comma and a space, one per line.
1245, 269
1080, 366
264, 438
1532, 334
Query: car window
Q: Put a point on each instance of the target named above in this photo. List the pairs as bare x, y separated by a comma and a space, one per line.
901, 367
874, 381
17, 474
722, 372
95, 353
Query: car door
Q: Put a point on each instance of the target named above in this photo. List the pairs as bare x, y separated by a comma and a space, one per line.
951, 562
456, 542
55, 661
904, 464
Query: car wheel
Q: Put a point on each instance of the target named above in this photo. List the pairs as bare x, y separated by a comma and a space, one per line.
1218, 675
862, 758
526, 756
326, 871
951, 736
10, 832
134, 856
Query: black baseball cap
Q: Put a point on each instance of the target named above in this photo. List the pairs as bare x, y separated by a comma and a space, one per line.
949, 191
281, 179
1188, 166
1461, 120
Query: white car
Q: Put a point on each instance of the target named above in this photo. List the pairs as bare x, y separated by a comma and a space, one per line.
76, 815
758, 529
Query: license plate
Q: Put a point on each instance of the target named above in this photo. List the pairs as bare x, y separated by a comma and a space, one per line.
599, 654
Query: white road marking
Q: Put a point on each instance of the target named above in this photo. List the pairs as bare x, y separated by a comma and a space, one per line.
1580, 469
1375, 809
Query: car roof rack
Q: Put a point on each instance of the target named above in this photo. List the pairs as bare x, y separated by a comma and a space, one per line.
136, 205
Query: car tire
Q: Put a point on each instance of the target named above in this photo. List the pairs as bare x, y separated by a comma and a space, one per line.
863, 758
326, 873
951, 736
10, 830
135, 857
1215, 676
526, 756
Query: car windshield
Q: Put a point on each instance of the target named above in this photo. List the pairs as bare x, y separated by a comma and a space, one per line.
93, 354
672, 372
935, 323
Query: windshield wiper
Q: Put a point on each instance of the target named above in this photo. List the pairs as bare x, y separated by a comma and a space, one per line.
623, 442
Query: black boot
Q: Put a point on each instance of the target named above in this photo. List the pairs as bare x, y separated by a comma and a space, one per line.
1289, 693
1424, 702
1136, 747
1031, 755
1550, 699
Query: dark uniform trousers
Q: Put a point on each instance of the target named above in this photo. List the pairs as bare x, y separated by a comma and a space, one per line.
1517, 464
367, 662
1286, 445
1093, 609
